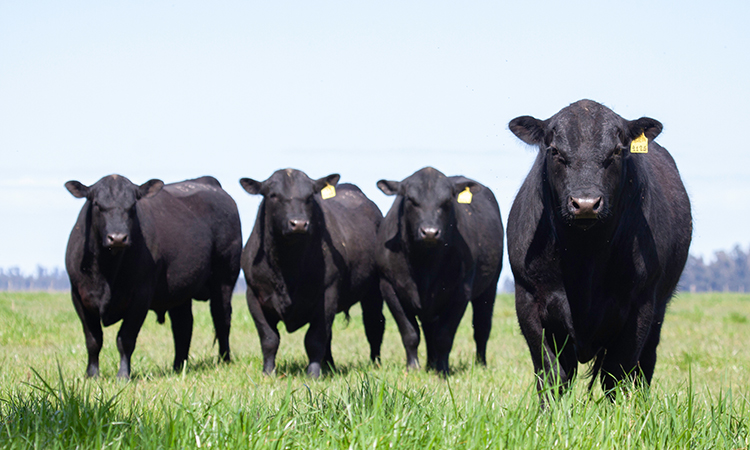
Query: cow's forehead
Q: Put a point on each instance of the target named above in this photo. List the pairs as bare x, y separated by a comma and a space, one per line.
114, 190
290, 183
585, 124
428, 183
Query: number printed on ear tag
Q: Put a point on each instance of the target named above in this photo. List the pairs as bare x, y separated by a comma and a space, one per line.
639, 144
465, 196
328, 192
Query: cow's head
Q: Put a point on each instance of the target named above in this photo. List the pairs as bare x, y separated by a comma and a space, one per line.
586, 147
112, 201
289, 198
429, 202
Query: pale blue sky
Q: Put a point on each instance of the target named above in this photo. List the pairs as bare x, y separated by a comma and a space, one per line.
367, 89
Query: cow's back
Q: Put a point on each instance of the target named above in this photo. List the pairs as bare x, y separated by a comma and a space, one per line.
189, 226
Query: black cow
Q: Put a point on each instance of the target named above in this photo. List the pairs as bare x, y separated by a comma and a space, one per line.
598, 236
440, 246
310, 256
153, 246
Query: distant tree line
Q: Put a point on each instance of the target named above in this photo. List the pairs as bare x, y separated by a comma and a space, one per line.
727, 272
42, 280
54, 280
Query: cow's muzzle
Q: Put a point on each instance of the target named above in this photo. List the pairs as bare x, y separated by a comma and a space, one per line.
585, 208
117, 240
430, 235
298, 226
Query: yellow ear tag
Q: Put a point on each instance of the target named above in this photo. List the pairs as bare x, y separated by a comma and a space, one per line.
639, 144
328, 192
465, 196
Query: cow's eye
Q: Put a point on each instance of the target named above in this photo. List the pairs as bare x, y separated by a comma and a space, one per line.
617, 151
555, 153
412, 201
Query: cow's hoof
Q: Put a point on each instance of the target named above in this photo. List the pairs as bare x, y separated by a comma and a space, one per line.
313, 370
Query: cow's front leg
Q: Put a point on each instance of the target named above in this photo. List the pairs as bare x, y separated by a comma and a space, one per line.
621, 362
92, 331
268, 332
406, 321
440, 331
552, 355
126, 337
318, 337
317, 345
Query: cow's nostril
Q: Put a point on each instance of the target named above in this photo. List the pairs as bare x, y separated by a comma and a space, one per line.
585, 207
117, 239
298, 226
429, 233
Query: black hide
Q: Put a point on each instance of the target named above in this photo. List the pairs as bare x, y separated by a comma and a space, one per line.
309, 258
436, 255
597, 239
152, 247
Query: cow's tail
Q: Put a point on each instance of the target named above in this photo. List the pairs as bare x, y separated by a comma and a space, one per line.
160, 317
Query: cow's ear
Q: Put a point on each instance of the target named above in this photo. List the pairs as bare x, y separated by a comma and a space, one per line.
473, 186
330, 180
149, 188
528, 129
78, 189
251, 186
646, 125
389, 187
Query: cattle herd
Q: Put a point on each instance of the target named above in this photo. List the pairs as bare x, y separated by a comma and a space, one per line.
598, 236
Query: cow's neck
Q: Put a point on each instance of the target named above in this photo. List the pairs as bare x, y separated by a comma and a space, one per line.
432, 267
291, 259
106, 263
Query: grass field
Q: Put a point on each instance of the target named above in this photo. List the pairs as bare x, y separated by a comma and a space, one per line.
699, 397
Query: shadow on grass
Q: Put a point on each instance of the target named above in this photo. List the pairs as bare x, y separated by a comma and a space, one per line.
298, 368
194, 366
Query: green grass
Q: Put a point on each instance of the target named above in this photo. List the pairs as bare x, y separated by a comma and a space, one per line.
698, 399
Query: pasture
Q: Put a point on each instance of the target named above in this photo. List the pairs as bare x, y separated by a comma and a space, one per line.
699, 397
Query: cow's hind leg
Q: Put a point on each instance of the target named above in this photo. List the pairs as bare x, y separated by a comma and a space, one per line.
221, 313
181, 318
92, 330
374, 322
482, 307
